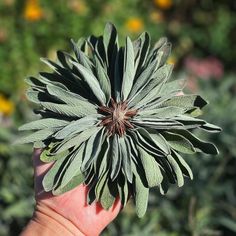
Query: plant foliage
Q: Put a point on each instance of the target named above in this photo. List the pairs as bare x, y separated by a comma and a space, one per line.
112, 119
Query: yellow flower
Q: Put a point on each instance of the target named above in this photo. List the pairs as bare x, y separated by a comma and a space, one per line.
163, 4
134, 25
6, 106
171, 60
33, 11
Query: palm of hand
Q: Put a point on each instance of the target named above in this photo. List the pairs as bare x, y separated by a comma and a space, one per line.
90, 219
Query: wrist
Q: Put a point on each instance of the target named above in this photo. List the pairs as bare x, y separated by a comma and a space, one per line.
46, 222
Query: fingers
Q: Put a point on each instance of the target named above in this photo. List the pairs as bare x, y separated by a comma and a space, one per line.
40, 169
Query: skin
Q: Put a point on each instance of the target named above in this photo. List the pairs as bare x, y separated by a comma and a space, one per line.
72, 206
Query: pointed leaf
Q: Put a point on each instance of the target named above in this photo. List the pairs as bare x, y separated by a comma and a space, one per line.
200, 145
93, 147
99, 186
152, 169
179, 143
186, 101
44, 124
141, 49
115, 157
183, 165
92, 82
70, 98
78, 139
73, 183
160, 142
177, 170
123, 190
163, 112
73, 169
173, 86
106, 198
110, 41
211, 128
76, 126
36, 136
129, 71
141, 196
103, 80
63, 109
142, 80
48, 180
126, 161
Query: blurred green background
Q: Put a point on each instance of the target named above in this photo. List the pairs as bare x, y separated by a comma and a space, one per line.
204, 52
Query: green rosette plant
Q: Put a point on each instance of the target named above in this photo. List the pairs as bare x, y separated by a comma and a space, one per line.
112, 120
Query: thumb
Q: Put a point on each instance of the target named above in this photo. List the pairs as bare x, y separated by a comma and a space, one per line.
40, 169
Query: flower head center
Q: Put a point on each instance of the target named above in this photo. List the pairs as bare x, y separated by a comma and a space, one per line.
117, 117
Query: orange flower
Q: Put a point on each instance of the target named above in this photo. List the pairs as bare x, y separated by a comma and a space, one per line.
163, 4
6, 106
134, 25
32, 11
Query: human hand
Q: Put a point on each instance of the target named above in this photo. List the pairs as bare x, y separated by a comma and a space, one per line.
70, 207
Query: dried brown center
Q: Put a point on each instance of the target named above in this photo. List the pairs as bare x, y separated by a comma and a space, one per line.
117, 117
